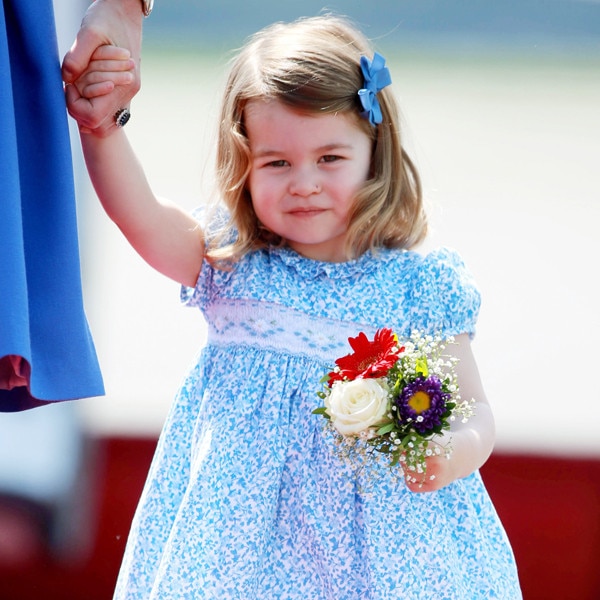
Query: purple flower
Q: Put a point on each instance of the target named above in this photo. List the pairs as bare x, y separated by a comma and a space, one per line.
422, 403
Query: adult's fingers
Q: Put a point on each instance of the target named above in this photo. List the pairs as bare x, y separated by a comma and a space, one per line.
78, 57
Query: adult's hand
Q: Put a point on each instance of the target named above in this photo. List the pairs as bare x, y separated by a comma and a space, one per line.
112, 22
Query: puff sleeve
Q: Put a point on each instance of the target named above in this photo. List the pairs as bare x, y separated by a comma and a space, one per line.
202, 294
446, 295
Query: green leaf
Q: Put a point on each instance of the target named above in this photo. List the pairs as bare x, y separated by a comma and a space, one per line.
320, 411
421, 366
386, 428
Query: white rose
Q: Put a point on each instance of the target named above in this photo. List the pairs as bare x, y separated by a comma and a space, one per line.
354, 406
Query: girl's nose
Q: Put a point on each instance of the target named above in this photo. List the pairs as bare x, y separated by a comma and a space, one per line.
305, 182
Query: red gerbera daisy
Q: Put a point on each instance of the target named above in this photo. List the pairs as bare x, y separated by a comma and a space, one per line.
370, 359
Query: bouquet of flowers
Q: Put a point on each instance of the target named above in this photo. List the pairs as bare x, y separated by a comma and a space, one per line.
394, 398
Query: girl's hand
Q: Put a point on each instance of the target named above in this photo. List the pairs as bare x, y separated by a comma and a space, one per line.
439, 473
116, 23
109, 67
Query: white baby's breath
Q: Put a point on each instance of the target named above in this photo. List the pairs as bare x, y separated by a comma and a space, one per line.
367, 419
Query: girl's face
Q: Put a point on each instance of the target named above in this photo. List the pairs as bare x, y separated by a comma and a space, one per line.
304, 174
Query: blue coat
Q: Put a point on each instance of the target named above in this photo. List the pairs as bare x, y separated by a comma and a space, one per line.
42, 318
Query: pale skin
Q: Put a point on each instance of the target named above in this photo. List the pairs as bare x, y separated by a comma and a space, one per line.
116, 23
305, 170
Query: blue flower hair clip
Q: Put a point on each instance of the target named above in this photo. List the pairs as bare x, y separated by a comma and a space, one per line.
377, 76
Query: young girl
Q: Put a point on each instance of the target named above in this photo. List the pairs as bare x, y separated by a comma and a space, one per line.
246, 497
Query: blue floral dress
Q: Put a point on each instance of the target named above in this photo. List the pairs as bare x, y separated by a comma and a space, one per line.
246, 498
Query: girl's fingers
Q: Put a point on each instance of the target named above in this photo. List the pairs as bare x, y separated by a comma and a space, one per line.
97, 89
118, 77
100, 83
111, 53
111, 65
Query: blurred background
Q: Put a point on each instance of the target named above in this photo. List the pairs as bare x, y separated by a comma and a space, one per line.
500, 102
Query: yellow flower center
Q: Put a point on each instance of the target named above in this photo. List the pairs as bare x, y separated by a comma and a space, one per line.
419, 402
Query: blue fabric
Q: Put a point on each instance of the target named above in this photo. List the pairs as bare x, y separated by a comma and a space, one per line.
41, 307
377, 76
247, 498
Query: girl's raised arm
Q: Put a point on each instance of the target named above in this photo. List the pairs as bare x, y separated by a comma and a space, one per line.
164, 235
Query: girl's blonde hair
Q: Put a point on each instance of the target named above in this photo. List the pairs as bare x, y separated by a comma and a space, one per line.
313, 65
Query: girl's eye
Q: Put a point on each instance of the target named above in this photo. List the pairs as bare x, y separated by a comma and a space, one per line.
329, 158
277, 163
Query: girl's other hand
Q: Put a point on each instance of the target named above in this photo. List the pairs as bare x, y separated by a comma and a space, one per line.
439, 474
